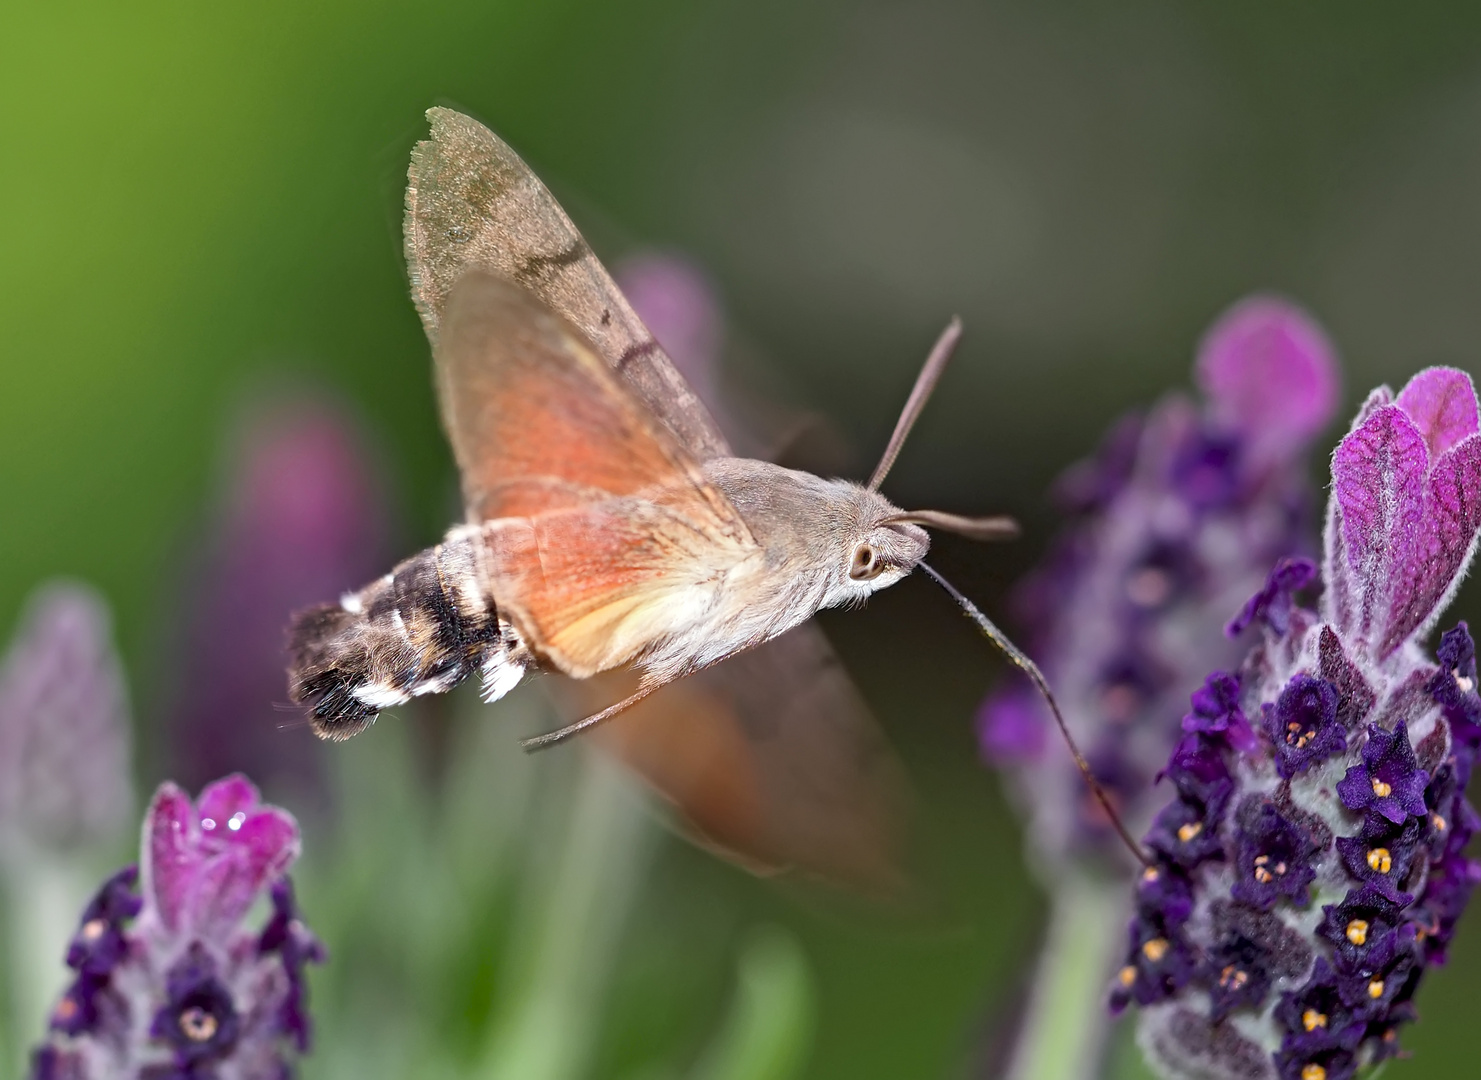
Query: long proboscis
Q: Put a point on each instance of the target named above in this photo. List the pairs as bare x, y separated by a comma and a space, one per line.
925, 382
1021, 660
986, 529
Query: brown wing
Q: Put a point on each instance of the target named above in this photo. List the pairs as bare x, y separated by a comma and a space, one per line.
472, 203
601, 528
795, 777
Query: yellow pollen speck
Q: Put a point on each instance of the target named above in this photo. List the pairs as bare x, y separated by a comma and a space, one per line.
1381, 789
1438, 822
1150, 874
1232, 978
1313, 1072
1380, 860
1262, 874
1126, 976
1375, 989
1357, 931
1189, 831
1311, 1020
93, 929
197, 1024
1155, 949
1464, 683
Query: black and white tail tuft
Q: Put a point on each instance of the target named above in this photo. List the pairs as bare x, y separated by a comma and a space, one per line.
421, 629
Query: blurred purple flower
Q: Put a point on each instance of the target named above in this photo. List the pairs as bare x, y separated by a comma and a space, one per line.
1344, 853
676, 301
64, 726
169, 983
1177, 520
304, 517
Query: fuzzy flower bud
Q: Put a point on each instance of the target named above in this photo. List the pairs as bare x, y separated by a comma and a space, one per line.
1291, 919
1178, 519
168, 981
64, 727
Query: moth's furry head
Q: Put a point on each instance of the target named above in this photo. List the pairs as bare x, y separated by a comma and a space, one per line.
833, 530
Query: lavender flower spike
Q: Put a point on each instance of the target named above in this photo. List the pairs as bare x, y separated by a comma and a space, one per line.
1177, 521
62, 688
1308, 911
168, 981
65, 790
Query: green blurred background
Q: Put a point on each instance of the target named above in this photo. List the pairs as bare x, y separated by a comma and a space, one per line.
197, 201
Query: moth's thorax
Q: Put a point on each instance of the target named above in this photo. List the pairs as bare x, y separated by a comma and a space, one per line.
811, 528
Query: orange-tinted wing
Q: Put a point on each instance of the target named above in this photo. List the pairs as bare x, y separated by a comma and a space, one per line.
601, 529
471, 203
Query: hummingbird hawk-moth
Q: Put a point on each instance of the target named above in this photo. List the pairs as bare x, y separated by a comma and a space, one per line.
609, 528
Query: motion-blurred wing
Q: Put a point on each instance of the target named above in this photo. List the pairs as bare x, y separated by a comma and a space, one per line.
472, 203
601, 528
772, 759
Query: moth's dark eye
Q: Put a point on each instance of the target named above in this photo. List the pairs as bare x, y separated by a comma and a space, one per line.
866, 564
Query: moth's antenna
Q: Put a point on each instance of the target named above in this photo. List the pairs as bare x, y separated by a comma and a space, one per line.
925, 382
986, 529
1031, 669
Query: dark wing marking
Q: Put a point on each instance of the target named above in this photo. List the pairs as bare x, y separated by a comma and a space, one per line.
472, 203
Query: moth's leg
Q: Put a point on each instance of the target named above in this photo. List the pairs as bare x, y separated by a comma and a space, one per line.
550, 738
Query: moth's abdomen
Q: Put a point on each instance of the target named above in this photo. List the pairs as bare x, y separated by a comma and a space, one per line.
421, 629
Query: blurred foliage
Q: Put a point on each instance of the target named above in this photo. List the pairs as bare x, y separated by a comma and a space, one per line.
199, 199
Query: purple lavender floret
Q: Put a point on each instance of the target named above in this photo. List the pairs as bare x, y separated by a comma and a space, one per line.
1354, 787
1216, 711
1388, 781
1272, 605
1302, 725
1175, 522
169, 980
99, 944
1273, 857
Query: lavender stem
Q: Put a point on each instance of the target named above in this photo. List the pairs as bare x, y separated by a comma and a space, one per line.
573, 920
1063, 1036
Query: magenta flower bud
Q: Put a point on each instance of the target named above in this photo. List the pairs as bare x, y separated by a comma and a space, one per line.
169, 981
1316, 891
1177, 521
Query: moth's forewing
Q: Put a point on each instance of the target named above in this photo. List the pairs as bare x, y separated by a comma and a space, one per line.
471, 202
601, 524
